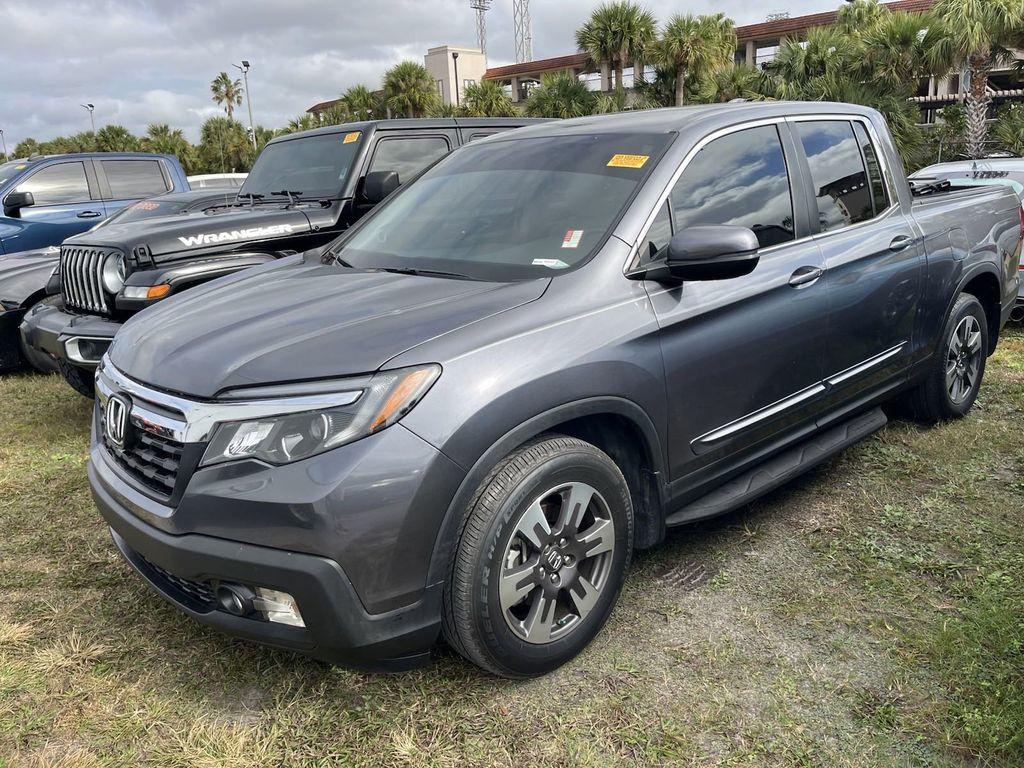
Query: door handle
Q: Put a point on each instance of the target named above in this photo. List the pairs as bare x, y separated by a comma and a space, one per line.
89, 215
901, 243
805, 276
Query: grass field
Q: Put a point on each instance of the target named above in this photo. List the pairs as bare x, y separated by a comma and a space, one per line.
870, 615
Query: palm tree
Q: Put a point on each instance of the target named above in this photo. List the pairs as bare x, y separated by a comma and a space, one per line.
975, 34
227, 92
561, 95
899, 48
224, 146
409, 89
164, 140
858, 16
487, 99
617, 33
360, 102
1008, 129
116, 138
696, 47
303, 122
736, 81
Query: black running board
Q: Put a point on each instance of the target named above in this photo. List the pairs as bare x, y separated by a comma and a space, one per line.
780, 469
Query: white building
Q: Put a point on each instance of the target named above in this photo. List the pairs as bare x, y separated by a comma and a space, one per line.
452, 67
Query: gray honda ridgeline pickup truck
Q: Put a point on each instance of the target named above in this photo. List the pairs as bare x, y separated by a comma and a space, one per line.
461, 418
304, 189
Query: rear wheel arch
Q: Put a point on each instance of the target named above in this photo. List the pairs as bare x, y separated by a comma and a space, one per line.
984, 286
617, 426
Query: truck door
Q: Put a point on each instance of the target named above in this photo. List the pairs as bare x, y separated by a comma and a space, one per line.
66, 203
126, 180
743, 357
873, 258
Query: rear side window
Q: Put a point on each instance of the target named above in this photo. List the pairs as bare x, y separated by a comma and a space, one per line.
837, 170
134, 178
408, 156
879, 194
740, 179
58, 184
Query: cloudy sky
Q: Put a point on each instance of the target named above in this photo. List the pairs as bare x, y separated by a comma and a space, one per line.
143, 61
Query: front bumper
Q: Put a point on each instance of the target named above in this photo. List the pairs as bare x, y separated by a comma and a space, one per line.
338, 629
81, 340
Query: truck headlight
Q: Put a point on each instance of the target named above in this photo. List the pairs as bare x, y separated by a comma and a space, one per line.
113, 273
380, 401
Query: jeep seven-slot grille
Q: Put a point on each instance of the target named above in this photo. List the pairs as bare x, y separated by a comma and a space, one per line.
81, 277
151, 460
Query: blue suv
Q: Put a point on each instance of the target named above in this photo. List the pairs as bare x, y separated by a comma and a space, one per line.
47, 199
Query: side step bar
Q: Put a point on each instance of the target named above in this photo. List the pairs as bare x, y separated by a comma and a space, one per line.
780, 469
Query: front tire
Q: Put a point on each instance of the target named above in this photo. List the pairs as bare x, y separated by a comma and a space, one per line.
541, 558
958, 367
80, 379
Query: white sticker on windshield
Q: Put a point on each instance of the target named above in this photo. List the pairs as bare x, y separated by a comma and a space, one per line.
572, 238
551, 263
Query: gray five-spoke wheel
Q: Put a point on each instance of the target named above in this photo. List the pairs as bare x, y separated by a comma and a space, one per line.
557, 563
963, 359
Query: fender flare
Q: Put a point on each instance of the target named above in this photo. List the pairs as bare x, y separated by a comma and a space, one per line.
448, 534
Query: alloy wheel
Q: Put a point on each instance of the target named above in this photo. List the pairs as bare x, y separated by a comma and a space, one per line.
556, 563
963, 359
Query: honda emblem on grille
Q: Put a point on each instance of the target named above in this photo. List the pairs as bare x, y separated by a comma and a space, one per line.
117, 419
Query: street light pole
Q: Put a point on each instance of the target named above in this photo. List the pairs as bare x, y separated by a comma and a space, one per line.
455, 58
244, 68
4, 140
92, 121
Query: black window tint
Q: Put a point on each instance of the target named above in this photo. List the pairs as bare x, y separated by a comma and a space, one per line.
408, 156
134, 178
879, 194
739, 179
658, 235
57, 184
837, 170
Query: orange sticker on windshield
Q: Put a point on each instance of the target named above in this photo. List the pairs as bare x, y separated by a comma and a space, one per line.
350, 137
628, 161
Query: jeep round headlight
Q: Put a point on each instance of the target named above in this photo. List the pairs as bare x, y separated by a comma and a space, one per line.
113, 273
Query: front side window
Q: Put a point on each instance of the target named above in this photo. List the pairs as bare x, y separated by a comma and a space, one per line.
837, 170
508, 209
58, 184
409, 156
739, 179
134, 178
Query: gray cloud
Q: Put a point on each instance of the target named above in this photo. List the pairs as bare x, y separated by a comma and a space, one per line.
143, 61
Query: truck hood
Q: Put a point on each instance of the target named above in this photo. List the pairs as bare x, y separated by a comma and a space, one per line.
299, 322
23, 274
223, 228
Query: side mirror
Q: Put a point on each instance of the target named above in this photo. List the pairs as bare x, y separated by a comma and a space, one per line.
15, 201
709, 252
378, 185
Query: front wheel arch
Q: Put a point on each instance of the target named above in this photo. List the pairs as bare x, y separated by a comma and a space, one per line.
650, 522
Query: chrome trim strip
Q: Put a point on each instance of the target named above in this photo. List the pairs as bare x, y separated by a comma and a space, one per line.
856, 370
201, 418
756, 417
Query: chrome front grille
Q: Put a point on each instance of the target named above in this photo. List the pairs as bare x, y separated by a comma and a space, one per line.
81, 277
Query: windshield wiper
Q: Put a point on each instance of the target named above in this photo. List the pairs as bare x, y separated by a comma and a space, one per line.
424, 272
252, 197
292, 195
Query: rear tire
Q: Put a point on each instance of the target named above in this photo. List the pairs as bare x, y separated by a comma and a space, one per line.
541, 558
39, 361
80, 379
957, 368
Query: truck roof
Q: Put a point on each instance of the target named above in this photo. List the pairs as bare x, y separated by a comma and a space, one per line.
704, 116
415, 123
87, 155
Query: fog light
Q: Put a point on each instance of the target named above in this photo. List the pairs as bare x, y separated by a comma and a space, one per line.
278, 607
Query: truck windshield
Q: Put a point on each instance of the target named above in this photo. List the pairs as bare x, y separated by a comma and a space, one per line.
508, 209
308, 166
9, 170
